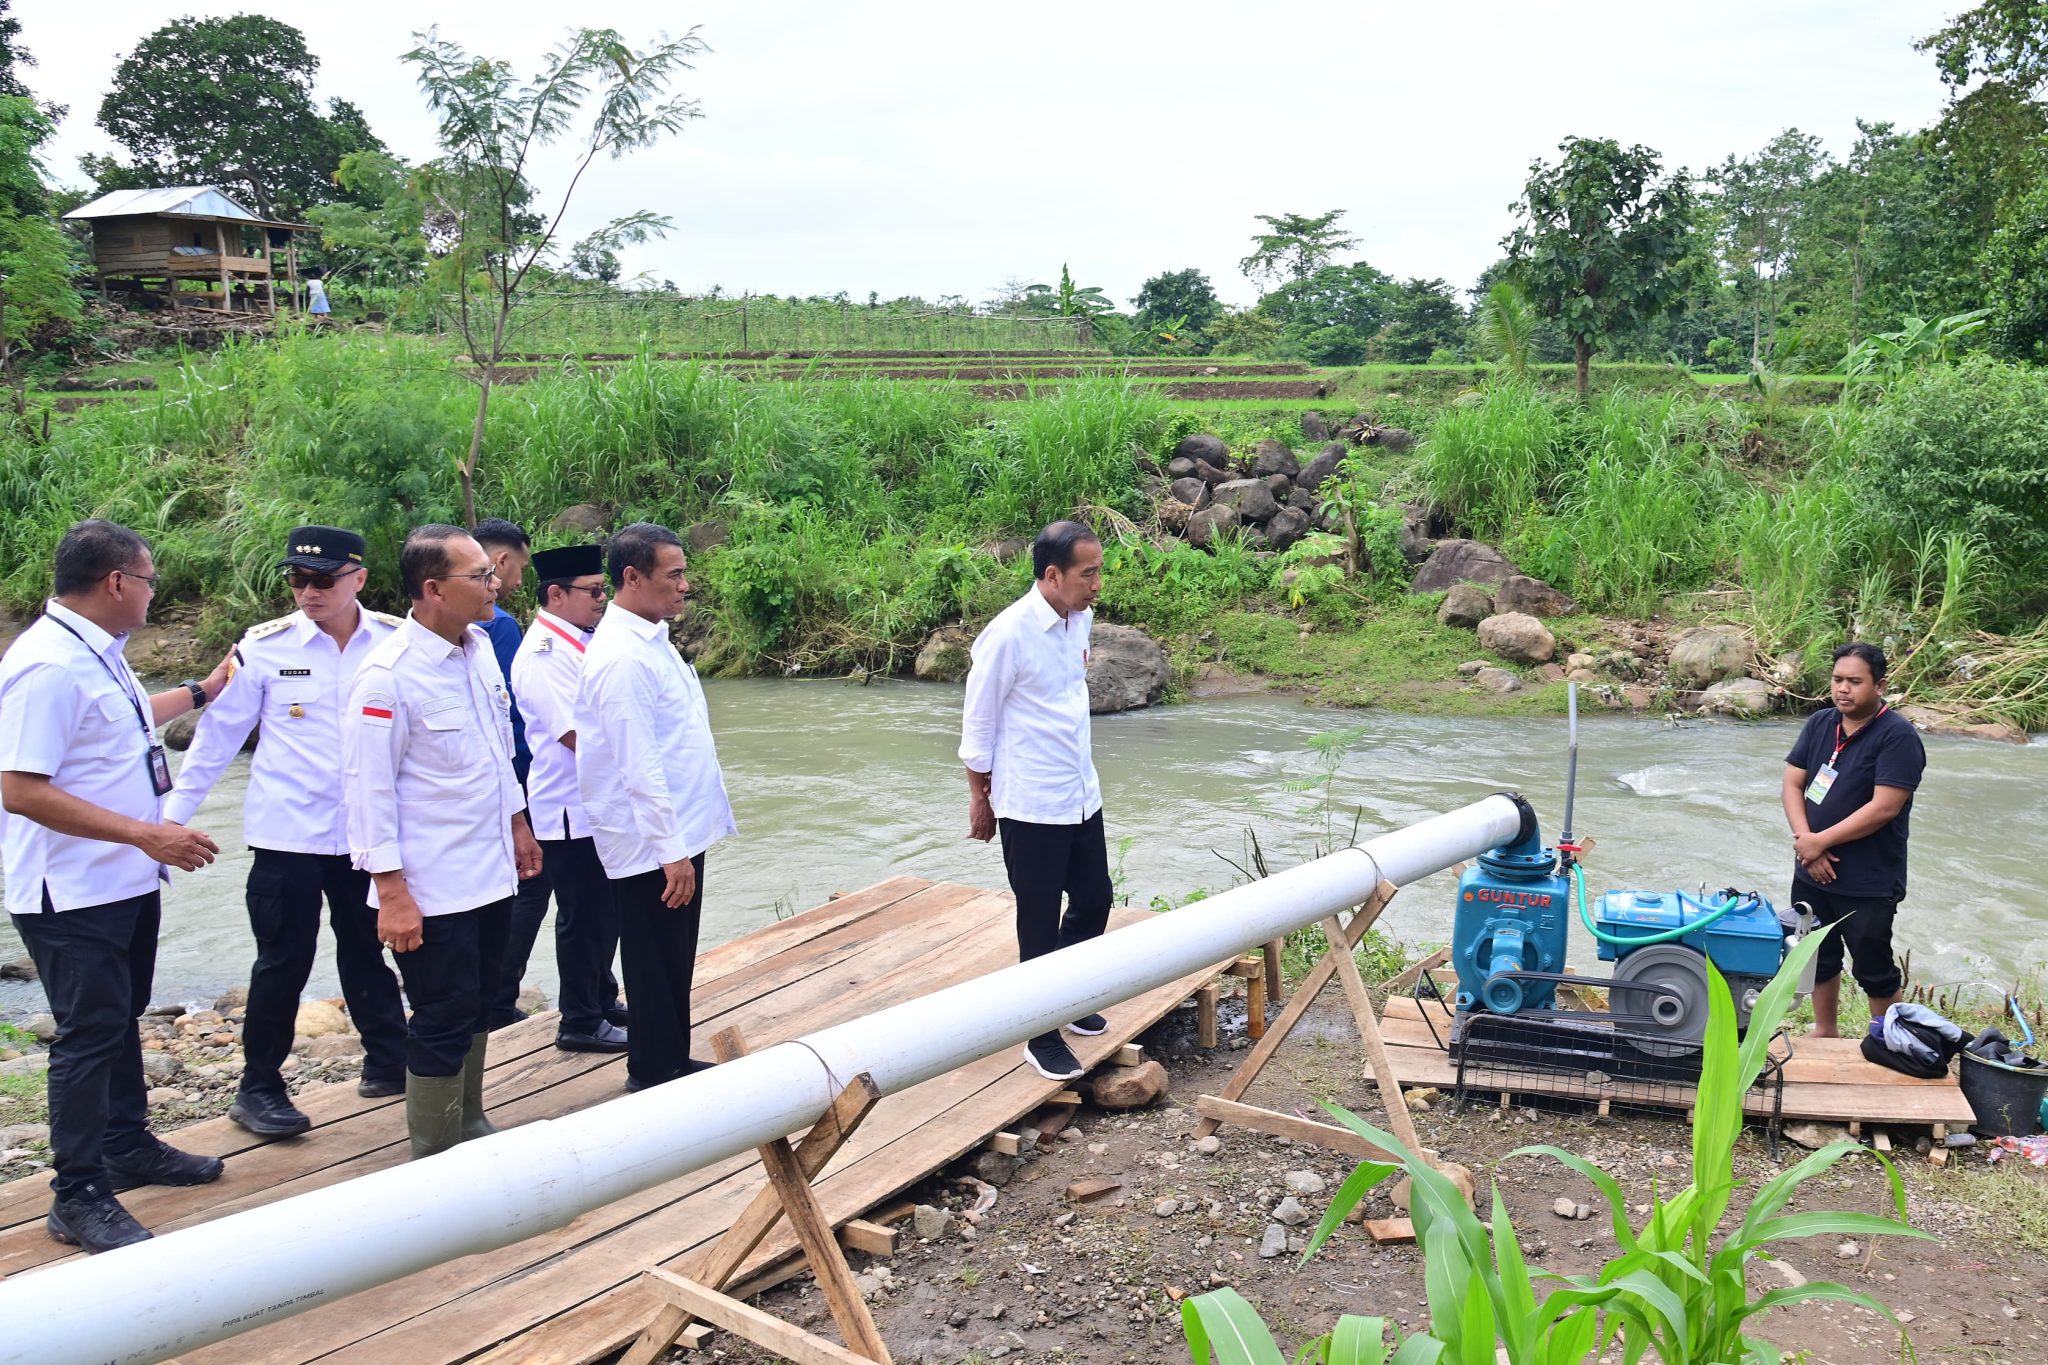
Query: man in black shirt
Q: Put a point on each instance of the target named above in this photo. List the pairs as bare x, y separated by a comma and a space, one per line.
1849, 784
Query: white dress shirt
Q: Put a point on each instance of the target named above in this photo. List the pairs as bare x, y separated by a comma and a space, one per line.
545, 675
427, 763
645, 759
1026, 715
293, 680
68, 712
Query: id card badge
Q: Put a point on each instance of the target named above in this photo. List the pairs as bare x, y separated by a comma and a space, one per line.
1823, 778
159, 770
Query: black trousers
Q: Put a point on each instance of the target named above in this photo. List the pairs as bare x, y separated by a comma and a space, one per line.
572, 874
658, 949
1047, 861
1866, 934
284, 911
97, 965
447, 979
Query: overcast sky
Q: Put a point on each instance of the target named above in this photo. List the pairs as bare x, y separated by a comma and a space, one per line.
941, 148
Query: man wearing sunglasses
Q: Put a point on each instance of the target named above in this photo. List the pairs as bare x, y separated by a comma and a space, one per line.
545, 675
292, 678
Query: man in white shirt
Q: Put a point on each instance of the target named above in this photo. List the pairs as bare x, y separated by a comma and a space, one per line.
82, 777
651, 785
292, 677
546, 673
436, 817
1024, 736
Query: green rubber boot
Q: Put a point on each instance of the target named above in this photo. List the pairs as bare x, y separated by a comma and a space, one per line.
474, 1124
433, 1112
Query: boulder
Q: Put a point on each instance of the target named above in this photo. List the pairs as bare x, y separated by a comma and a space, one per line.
1323, 465
1304, 501
1584, 675
1288, 525
177, 735
1249, 498
706, 535
1400, 440
1709, 654
1191, 491
1464, 605
317, 1019
1205, 525
42, 1027
1204, 447
1270, 457
1127, 669
1472, 668
1313, 427
1130, 1087
1213, 474
159, 1067
1462, 561
20, 969
1519, 592
334, 1045
1737, 697
1497, 680
1180, 467
930, 1222
1416, 544
1519, 637
1924, 718
994, 1167
1280, 486
233, 998
944, 655
1007, 550
582, 519
1550, 673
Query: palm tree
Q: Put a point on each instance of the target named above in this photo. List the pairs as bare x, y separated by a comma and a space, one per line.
1506, 328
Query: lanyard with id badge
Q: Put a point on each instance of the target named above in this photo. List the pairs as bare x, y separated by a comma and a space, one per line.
1824, 777
159, 761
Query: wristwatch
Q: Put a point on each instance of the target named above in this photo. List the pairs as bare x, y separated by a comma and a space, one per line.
198, 693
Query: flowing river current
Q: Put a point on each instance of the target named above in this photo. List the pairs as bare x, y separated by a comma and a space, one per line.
838, 785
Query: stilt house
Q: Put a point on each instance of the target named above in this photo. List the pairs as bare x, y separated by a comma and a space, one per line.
192, 245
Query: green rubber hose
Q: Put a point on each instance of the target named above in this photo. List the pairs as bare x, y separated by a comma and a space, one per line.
1713, 916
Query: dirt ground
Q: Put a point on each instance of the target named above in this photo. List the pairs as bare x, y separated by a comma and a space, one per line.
1042, 1277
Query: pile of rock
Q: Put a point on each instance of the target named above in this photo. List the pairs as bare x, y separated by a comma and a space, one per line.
1265, 494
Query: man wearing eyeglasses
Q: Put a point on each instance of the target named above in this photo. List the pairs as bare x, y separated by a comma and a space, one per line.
82, 779
545, 674
438, 820
292, 678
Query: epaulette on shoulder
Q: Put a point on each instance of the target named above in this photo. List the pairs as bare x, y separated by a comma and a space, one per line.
267, 629
387, 618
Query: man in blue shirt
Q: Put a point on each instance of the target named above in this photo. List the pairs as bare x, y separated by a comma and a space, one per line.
511, 551
1848, 794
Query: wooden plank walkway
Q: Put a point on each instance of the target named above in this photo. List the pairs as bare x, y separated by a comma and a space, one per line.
1826, 1078
571, 1295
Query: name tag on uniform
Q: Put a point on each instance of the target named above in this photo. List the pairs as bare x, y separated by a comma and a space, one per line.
1823, 778
294, 672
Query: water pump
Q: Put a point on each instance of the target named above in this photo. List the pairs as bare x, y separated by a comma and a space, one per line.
1511, 935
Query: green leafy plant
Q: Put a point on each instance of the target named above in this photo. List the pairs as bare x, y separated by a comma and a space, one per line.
1889, 356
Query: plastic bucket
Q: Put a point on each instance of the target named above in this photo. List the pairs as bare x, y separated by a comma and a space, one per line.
2008, 1100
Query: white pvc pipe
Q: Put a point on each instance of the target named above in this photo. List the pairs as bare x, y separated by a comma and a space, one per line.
141, 1303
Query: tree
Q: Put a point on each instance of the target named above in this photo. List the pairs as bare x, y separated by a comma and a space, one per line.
492, 123
1423, 318
1600, 237
35, 257
378, 231
2016, 267
14, 56
1331, 317
1296, 247
1505, 328
1178, 294
227, 102
1761, 198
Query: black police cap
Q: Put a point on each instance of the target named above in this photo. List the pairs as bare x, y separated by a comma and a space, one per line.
323, 549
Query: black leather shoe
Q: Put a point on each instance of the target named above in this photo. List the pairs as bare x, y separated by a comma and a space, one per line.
269, 1116
618, 1016
691, 1066
95, 1224
378, 1087
608, 1038
161, 1164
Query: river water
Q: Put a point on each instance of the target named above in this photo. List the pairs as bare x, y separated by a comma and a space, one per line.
838, 785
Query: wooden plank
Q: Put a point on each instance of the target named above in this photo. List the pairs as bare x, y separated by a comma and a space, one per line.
1094, 1187
1289, 1126
1130, 1054
1009, 1144
1246, 968
1406, 979
1255, 1006
814, 1229
1205, 1016
1382, 1066
793, 1343
1304, 996
871, 1238
1276, 980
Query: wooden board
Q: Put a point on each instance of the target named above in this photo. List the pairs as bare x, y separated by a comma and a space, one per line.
1826, 1078
577, 1293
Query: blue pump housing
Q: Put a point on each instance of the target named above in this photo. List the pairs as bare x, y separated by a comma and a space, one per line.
1514, 908
1747, 941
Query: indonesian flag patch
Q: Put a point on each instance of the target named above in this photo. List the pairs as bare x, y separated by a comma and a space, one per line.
378, 708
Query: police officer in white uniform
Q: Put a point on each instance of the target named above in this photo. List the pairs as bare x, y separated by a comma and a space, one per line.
292, 676
82, 776
545, 675
436, 817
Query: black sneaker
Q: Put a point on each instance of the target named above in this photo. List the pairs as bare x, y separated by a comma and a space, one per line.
380, 1087
1050, 1056
95, 1224
160, 1164
1088, 1025
268, 1116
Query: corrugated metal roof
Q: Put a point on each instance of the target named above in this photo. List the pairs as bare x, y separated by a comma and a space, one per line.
195, 201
